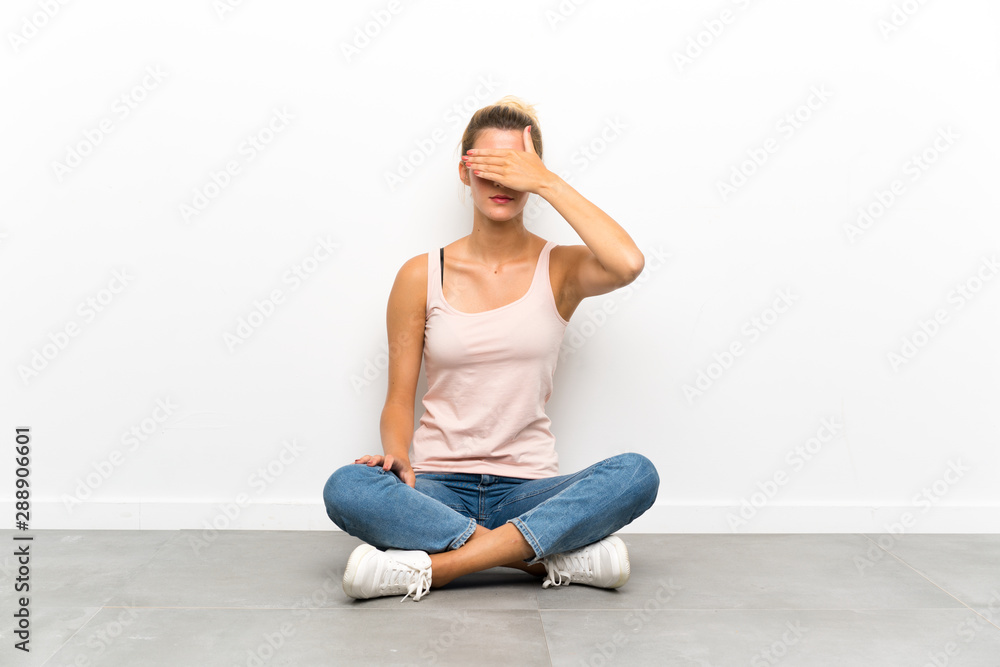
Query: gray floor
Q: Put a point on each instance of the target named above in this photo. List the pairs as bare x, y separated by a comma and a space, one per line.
256, 598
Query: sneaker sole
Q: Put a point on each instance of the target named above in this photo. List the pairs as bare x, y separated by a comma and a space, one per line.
623, 558
351, 571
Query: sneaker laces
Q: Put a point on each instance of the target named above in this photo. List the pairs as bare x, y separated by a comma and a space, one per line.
416, 579
559, 568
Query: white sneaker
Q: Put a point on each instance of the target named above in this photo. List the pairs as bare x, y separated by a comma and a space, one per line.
603, 564
371, 573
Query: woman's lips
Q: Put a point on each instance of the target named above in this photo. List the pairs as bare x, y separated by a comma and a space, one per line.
501, 200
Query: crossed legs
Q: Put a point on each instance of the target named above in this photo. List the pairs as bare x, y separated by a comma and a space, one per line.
541, 518
503, 546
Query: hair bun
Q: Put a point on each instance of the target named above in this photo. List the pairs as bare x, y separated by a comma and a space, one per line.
519, 104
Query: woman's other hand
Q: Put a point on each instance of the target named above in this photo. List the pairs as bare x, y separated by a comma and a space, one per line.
521, 171
398, 467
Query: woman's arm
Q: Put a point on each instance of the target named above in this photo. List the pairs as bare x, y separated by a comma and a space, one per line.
405, 318
610, 260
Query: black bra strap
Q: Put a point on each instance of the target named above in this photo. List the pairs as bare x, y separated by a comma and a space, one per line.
442, 267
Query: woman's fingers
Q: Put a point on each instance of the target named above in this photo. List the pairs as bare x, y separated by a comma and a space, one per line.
388, 463
529, 145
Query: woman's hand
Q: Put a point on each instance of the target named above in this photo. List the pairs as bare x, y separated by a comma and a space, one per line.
522, 171
398, 467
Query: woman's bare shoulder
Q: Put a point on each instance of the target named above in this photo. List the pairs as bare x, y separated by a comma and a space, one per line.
412, 275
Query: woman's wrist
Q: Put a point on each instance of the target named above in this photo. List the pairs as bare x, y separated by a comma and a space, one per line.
397, 454
551, 186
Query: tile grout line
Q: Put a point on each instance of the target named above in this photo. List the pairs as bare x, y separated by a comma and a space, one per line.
545, 636
75, 633
103, 607
932, 583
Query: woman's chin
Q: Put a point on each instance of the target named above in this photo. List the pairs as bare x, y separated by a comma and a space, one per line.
503, 221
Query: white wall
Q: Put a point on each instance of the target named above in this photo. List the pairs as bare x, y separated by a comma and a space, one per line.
644, 134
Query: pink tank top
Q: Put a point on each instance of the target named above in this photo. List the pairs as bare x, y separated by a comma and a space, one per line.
489, 376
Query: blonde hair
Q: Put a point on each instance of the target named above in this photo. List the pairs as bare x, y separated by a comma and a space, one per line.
507, 113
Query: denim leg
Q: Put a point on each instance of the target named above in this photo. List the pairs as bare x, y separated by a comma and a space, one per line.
459, 491
379, 508
559, 514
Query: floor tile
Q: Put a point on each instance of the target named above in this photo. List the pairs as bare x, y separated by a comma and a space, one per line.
967, 566
756, 572
268, 569
806, 638
303, 638
990, 615
275, 598
240, 568
84, 568
50, 628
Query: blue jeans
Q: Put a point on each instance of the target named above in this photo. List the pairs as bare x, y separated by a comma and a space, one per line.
555, 514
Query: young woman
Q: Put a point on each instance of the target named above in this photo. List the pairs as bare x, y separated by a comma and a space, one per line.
488, 313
